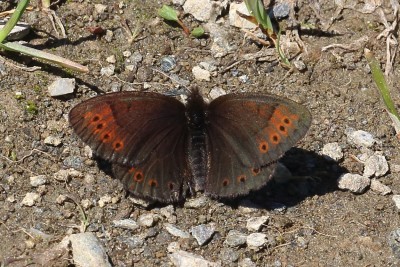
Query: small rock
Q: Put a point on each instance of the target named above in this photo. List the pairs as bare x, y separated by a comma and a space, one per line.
30, 199
182, 258
235, 239
244, 78
140, 202
109, 36
111, 59
19, 31
353, 182
127, 53
332, 151
256, 240
376, 165
246, 262
88, 251
201, 74
61, 199
38, 180
202, 233
360, 138
204, 10
221, 45
106, 199
126, 224
167, 211
168, 63
173, 246
299, 65
217, 92
380, 188
86, 204
107, 71
100, 8
62, 86
396, 199
236, 20
228, 255
173, 230
52, 140
147, 220
394, 242
281, 10
196, 203
246, 206
65, 175
134, 241
255, 223
178, 2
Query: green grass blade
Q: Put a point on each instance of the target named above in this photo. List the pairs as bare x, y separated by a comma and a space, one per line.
13, 20
380, 81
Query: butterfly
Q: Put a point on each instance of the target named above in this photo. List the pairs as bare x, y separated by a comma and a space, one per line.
162, 149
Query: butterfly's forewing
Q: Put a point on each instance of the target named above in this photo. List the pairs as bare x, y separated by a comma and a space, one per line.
144, 135
247, 134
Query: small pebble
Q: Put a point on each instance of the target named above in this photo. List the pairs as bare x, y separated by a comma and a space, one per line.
65, 175
134, 241
202, 233
196, 203
111, 59
246, 262
126, 224
217, 92
106, 199
281, 10
182, 258
394, 242
173, 246
353, 182
332, 151
30, 199
396, 199
107, 71
127, 53
53, 140
201, 74
168, 63
204, 10
61, 199
376, 165
147, 220
62, 86
256, 240
229, 255
38, 180
88, 251
255, 223
100, 8
235, 239
109, 36
380, 188
86, 204
173, 230
299, 65
360, 138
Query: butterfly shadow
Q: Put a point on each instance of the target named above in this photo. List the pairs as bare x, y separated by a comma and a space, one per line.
309, 174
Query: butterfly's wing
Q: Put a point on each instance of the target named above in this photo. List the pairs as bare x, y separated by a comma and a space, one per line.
143, 135
247, 134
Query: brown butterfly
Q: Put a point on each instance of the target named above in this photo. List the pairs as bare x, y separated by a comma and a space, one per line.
161, 149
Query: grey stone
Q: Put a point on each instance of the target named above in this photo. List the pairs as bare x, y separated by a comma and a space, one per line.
332, 151
256, 240
394, 242
376, 165
204, 10
168, 63
380, 188
52, 140
353, 182
202, 233
201, 74
196, 203
126, 224
235, 239
360, 138
217, 92
107, 71
173, 230
38, 180
182, 258
246, 262
30, 199
255, 223
396, 199
147, 220
62, 86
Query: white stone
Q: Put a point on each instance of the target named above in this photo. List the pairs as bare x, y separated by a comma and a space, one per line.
87, 251
30, 199
255, 223
197, 202
204, 10
38, 180
396, 199
360, 138
380, 188
256, 240
332, 151
100, 8
107, 71
111, 59
353, 182
147, 220
376, 165
52, 140
217, 92
246, 262
236, 20
182, 258
106, 199
178, 2
201, 74
203, 233
173, 230
126, 224
62, 86
221, 45
235, 239
65, 175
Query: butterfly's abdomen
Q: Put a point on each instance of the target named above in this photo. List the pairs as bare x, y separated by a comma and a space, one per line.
197, 143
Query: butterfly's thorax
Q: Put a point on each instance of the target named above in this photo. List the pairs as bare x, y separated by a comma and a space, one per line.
197, 150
